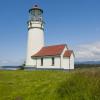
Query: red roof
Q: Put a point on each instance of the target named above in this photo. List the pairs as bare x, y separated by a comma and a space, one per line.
54, 50
67, 53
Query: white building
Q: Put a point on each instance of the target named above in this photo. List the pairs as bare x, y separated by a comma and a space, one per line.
41, 56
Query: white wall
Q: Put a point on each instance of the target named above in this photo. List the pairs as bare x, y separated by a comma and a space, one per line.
68, 62
62, 58
72, 61
47, 62
35, 41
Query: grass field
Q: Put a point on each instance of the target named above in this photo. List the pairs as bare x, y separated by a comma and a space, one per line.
81, 84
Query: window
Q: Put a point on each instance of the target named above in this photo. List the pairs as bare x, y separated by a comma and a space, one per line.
53, 61
41, 61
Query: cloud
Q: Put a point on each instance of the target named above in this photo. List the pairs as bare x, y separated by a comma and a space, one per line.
88, 52
6, 62
2, 62
83, 52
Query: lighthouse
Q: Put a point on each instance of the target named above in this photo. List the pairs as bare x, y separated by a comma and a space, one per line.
57, 56
35, 34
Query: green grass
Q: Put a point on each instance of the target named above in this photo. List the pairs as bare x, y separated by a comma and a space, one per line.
81, 84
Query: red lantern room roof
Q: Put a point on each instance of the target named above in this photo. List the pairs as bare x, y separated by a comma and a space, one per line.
36, 7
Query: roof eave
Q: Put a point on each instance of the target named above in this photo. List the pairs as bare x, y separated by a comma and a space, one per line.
45, 56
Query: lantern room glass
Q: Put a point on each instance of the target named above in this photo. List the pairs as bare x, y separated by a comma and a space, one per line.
36, 14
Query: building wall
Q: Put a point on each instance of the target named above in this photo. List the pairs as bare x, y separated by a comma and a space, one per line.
72, 61
47, 62
35, 42
68, 62
62, 58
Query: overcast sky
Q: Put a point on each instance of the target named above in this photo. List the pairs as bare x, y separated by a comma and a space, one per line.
74, 22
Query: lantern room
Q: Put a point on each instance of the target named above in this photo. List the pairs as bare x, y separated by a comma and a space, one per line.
36, 13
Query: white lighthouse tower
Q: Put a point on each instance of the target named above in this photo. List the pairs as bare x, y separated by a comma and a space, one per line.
35, 34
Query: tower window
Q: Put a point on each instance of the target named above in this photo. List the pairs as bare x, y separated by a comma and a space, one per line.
41, 61
53, 61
